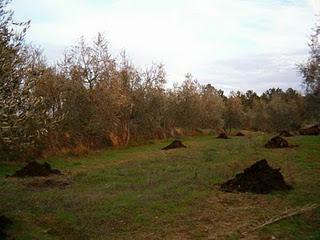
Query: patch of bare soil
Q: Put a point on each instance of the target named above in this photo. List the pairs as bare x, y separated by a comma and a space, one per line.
278, 142
310, 130
223, 136
260, 178
4, 224
285, 133
223, 216
48, 183
240, 134
174, 144
35, 169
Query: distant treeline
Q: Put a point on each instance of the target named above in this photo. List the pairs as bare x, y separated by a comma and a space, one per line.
90, 100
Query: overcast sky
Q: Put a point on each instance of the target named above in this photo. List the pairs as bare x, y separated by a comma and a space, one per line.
232, 44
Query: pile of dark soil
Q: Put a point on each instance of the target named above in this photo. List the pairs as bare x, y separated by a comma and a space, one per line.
223, 136
285, 133
310, 130
35, 169
4, 224
277, 142
174, 144
259, 178
240, 134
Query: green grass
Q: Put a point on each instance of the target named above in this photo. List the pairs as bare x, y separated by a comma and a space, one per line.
145, 193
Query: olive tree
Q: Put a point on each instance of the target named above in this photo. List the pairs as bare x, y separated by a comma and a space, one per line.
22, 114
234, 114
310, 71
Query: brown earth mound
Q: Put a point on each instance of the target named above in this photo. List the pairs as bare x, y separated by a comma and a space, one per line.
277, 142
223, 136
259, 178
35, 169
4, 224
240, 134
174, 144
285, 133
311, 130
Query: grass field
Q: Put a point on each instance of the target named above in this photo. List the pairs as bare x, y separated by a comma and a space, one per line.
145, 193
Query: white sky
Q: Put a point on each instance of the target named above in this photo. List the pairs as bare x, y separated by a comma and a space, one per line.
232, 44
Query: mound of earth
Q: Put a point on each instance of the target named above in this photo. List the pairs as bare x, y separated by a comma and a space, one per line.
310, 130
35, 169
4, 224
174, 144
285, 133
277, 142
259, 178
240, 134
223, 136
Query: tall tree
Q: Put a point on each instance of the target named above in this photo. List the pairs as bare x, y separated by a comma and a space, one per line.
233, 115
22, 116
311, 75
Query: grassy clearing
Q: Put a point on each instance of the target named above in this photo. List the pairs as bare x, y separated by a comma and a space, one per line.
145, 193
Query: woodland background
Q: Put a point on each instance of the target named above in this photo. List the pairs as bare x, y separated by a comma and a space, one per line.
91, 100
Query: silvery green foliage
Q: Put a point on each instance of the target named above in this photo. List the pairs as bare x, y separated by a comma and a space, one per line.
22, 117
310, 71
